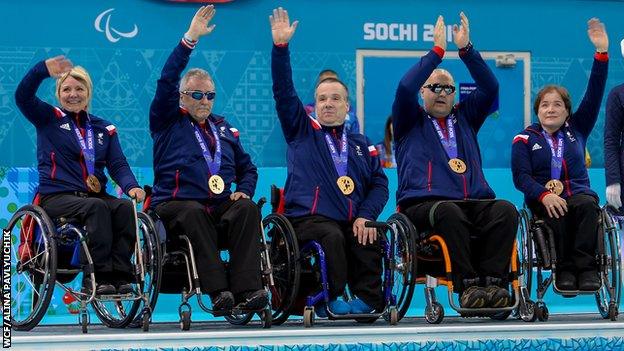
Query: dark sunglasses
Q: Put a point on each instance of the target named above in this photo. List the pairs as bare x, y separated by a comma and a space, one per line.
437, 88
198, 95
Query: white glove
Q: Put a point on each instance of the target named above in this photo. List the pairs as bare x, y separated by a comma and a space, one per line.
613, 195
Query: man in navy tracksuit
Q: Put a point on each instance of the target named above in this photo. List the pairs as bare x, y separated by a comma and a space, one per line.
548, 165
441, 182
335, 182
73, 147
197, 156
614, 146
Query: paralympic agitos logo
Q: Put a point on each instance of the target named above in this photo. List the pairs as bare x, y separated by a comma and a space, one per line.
103, 24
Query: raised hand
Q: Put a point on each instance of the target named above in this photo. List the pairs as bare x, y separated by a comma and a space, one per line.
58, 65
461, 33
598, 34
281, 29
439, 33
199, 24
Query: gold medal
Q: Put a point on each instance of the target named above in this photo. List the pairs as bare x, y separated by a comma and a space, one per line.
555, 186
216, 184
346, 185
457, 165
93, 184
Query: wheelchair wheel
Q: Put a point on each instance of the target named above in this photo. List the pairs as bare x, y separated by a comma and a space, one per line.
284, 255
33, 269
152, 261
608, 296
525, 251
120, 312
404, 269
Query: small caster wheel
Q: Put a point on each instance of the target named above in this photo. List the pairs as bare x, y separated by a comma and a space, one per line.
434, 314
527, 311
613, 311
84, 322
267, 317
394, 316
542, 312
145, 323
308, 317
185, 320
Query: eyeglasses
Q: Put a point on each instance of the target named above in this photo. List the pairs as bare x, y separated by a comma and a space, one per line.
198, 95
438, 88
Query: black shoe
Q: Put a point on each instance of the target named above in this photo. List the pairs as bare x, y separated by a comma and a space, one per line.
253, 300
566, 280
222, 302
589, 281
124, 288
100, 288
473, 297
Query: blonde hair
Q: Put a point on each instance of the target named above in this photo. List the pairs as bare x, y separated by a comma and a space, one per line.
80, 74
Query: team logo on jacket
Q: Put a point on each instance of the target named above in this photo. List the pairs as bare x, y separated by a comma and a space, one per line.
536, 146
222, 131
100, 137
570, 136
65, 126
358, 150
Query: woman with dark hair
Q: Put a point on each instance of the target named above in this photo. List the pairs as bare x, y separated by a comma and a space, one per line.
548, 166
386, 147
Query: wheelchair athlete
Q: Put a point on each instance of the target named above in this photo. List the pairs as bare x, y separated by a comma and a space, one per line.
73, 147
441, 182
197, 157
335, 181
548, 167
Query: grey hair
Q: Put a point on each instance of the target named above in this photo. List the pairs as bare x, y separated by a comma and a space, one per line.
194, 73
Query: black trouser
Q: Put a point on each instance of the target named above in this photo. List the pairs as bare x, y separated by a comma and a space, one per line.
237, 224
479, 234
346, 259
575, 233
110, 230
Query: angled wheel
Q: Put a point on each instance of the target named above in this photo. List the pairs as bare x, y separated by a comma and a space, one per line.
611, 264
525, 251
284, 256
33, 265
152, 261
404, 267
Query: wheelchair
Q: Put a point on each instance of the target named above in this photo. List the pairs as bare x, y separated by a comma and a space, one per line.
435, 269
179, 274
299, 271
540, 256
45, 253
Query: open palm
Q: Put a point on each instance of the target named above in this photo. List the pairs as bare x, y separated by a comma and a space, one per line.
281, 29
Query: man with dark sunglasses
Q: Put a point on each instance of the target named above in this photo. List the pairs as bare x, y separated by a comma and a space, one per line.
197, 157
442, 188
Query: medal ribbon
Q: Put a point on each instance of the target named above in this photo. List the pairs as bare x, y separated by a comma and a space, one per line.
450, 144
556, 160
87, 146
213, 162
340, 159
